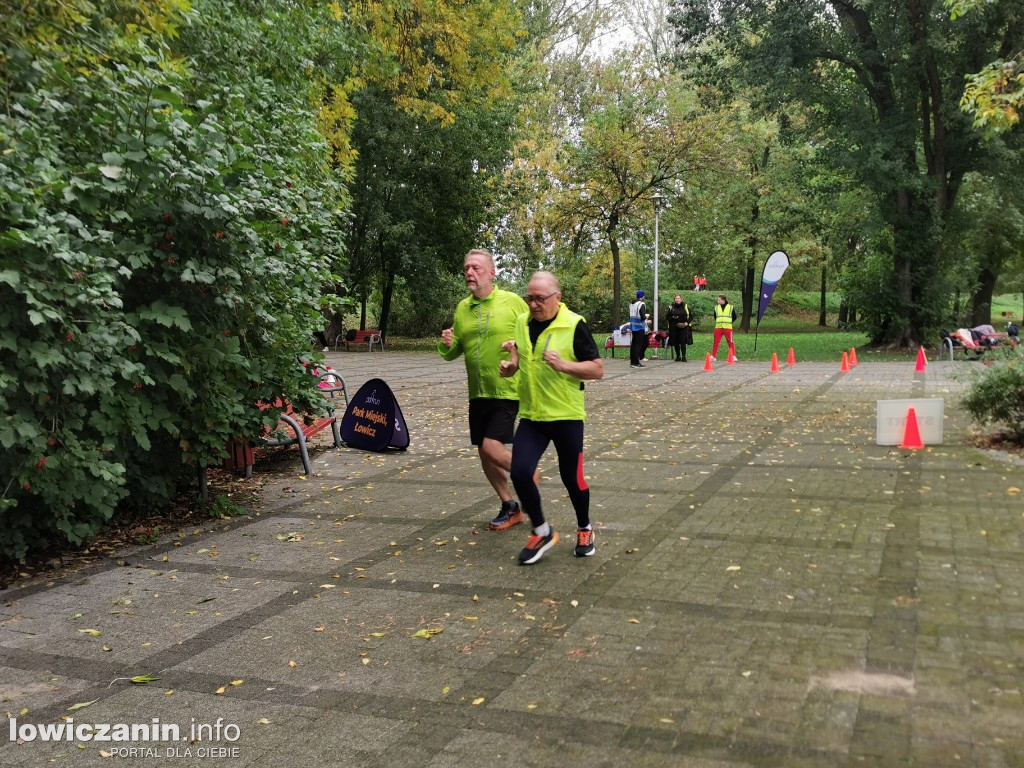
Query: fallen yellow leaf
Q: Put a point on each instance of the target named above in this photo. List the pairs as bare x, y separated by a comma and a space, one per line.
478, 702
427, 633
221, 690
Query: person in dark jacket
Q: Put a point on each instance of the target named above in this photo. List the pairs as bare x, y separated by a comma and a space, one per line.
677, 320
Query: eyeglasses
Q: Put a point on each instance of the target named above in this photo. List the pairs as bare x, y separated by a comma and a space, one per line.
530, 299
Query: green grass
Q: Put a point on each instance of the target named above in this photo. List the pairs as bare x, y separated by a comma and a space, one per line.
808, 347
1007, 302
817, 345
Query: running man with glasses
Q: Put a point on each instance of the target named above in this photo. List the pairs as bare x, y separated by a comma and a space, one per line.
483, 320
553, 352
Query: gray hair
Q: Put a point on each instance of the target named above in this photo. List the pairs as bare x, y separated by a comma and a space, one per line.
557, 286
481, 252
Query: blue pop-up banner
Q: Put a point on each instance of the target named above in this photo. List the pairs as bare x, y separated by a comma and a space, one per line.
774, 268
373, 421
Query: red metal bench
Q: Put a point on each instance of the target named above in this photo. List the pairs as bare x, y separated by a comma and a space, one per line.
609, 344
368, 337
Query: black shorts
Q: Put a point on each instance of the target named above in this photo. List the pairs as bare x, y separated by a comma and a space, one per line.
493, 418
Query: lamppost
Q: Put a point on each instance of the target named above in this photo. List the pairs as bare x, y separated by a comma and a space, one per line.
657, 198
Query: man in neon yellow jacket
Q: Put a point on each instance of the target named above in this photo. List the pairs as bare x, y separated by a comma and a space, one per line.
483, 320
554, 352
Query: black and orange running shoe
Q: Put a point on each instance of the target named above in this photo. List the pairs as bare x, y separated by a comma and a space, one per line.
510, 515
536, 546
584, 543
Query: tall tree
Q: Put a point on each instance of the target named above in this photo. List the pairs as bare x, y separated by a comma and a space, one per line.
886, 78
639, 135
421, 191
989, 232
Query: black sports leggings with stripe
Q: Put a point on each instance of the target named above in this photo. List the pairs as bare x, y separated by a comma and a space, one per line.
531, 440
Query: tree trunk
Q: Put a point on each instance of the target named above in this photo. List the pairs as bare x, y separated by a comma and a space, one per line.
981, 299
616, 269
748, 298
823, 312
362, 311
387, 292
844, 313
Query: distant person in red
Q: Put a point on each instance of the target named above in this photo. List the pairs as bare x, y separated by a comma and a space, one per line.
703, 283
696, 282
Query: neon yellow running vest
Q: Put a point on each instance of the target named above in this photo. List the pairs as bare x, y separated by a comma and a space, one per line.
723, 316
544, 393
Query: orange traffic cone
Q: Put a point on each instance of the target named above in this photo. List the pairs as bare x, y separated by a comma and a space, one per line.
845, 366
775, 363
731, 359
853, 357
922, 361
911, 434
791, 360
707, 362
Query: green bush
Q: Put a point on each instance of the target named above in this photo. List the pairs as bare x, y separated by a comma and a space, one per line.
997, 397
164, 234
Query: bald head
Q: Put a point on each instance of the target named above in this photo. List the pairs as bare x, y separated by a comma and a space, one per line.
543, 294
549, 280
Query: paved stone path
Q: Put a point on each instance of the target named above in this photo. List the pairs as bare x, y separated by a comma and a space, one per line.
770, 589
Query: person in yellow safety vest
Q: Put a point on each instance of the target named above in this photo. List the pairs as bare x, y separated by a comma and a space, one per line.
554, 353
483, 320
725, 316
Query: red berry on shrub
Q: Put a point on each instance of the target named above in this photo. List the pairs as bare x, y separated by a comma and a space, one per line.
277, 246
26, 486
284, 222
131, 348
51, 442
167, 217
220, 233
172, 260
78, 275
69, 337
41, 463
227, 333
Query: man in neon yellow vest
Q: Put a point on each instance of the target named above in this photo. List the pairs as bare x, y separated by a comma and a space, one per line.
483, 320
725, 316
554, 353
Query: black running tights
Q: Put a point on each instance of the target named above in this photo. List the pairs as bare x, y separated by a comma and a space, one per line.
531, 440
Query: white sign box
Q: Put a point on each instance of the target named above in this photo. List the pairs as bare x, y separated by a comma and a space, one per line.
892, 420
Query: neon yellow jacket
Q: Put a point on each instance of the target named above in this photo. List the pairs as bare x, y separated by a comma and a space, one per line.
480, 328
724, 316
544, 393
